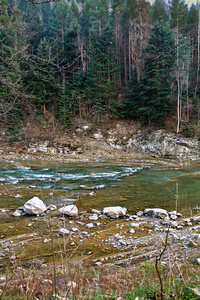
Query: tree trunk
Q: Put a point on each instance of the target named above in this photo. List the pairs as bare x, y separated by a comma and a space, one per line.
197, 80
129, 51
125, 63
178, 105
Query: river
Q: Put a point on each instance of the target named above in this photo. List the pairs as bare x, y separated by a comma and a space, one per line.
134, 184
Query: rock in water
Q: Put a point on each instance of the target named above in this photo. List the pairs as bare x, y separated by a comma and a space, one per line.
34, 206
69, 210
114, 211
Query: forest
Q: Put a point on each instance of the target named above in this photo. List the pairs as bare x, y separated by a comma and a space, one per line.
97, 58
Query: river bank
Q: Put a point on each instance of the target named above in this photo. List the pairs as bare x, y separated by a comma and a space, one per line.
110, 243
111, 140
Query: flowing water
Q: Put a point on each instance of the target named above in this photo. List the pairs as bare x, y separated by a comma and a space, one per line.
134, 184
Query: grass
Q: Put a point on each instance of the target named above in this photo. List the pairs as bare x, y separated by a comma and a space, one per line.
76, 281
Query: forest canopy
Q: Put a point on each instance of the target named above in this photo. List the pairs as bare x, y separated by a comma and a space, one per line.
93, 58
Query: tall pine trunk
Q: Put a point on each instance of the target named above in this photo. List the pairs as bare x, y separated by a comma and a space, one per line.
198, 42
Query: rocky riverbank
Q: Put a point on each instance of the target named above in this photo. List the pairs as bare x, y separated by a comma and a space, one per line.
110, 236
120, 139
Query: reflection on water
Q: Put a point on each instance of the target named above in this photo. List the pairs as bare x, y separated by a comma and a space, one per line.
133, 184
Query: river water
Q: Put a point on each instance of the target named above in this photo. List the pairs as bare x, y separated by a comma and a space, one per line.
134, 184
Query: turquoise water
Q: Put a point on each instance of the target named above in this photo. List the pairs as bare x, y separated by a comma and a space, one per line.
133, 184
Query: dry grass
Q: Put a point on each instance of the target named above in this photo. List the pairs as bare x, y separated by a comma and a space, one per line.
78, 281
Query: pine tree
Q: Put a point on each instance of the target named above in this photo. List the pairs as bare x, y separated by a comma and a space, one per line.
159, 13
13, 56
153, 91
41, 82
102, 68
193, 20
178, 21
30, 14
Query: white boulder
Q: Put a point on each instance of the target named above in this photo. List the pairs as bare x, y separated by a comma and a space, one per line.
114, 212
156, 213
69, 210
34, 206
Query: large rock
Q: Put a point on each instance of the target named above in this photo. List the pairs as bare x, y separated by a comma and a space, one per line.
34, 206
156, 213
69, 210
114, 211
164, 144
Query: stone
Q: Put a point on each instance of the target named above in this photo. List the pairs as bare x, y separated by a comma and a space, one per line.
85, 233
98, 135
132, 230
114, 212
18, 196
139, 213
89, 225
173, 217
186, 220
74, 229
134, 217
196, 291
52, 207
3, 210
96, 211
17, 213
64, 231
172, 212
179, 215
156, 213
135, 225
195, 219
69, 210
34, 206
94, 217
98, 263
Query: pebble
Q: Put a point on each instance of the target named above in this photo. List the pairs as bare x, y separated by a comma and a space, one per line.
17, 213
94, 217
135, 225
89, 225
98, 264
96, 211
3, 278
46, 240
18, 196
74, 229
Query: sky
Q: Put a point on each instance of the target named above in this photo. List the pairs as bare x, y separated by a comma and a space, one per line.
188, 2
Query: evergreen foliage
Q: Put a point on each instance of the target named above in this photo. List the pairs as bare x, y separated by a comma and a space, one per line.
151, 96
159, 13
75, 58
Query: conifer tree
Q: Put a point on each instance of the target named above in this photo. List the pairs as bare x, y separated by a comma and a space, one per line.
159, 13
13, 55
41, 82
153, 91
